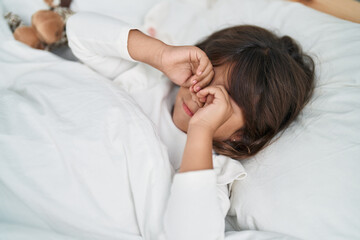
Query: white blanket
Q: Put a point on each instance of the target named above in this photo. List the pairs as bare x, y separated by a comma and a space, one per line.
77, 154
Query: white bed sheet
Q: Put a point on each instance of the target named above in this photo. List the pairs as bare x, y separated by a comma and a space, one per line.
78, 156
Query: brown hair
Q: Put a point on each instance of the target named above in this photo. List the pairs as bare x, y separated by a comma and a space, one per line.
269, 78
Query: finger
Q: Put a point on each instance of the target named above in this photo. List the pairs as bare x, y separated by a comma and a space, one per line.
208, 76
210, 90
196, 99
209, 68
203, 62
207, 71
199, 82
218, 92
226, 95
202, 99
210, 98
191, 81
224, 91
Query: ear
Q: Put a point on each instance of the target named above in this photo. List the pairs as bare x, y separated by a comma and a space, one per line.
235, 137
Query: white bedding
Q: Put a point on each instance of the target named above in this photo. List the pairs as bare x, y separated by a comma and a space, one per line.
68, 160
45, 101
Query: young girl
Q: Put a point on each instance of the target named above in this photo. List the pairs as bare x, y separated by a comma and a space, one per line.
232, 93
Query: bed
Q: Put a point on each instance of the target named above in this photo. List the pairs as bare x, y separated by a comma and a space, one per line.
56, 113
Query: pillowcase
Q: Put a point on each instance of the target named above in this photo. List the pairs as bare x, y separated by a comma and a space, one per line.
305, 184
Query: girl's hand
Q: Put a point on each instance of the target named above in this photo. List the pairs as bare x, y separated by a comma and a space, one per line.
215, 112
186, 66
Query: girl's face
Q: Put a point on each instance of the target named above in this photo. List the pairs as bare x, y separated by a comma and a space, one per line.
185, 107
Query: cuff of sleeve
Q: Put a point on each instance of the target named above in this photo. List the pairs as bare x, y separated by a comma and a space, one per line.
123, 44
194, 179
193, 210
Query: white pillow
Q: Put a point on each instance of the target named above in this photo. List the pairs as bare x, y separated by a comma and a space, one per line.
306, 184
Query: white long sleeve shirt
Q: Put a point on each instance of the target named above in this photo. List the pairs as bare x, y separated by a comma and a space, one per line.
199, 200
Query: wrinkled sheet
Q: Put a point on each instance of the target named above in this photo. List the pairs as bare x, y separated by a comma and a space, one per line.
77, 155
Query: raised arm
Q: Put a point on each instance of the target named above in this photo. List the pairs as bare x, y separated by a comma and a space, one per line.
110, 47
100, 42
183, 65
202, 127
199, 213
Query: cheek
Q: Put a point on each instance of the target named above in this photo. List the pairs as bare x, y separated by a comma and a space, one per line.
180, 119
180, 122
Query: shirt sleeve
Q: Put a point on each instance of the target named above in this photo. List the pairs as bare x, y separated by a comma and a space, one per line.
100, 42
194, 210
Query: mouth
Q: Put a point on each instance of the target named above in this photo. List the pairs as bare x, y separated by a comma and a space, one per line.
187, 110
